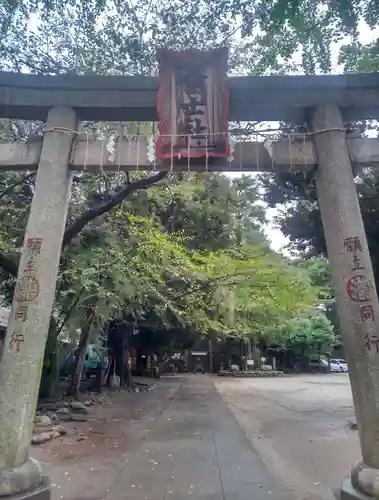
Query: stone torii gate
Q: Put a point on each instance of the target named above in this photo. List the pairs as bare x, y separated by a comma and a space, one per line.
324, 102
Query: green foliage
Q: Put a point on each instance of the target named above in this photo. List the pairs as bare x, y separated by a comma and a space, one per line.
67, 37
170, 270
307, 335
319, 273
172, 257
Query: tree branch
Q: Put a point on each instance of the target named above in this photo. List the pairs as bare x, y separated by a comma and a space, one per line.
18, 183
8, 264
216, 280
70, 310
108, 204
11, 266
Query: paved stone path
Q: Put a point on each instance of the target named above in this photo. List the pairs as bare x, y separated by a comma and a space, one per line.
195, 450
300, 426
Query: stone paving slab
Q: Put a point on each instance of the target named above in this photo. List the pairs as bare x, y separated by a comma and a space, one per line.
196, 450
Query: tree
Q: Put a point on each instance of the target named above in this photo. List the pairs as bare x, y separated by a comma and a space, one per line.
307, 335
262, 36
300, 219
318, 269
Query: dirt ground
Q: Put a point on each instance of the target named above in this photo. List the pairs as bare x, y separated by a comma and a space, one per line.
85, 463
300, 427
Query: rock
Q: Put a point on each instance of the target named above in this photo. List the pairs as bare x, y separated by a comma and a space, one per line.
81, 437
60, 429
41, 429
89, 402
78, 418
43, 420
55, 434
42, 438
62, 411
78, 407
48, 406
37, 439
53, 416
74, 418
353, 425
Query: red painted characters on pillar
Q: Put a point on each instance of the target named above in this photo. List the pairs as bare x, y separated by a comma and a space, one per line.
15, 340
371, 343
359, 288
367, 313
352, 244
27, 290
34, 244
357, 266
27, 287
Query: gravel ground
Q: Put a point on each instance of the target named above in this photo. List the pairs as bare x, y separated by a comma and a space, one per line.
300, 427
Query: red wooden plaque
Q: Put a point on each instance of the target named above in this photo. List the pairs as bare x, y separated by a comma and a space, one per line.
193, 104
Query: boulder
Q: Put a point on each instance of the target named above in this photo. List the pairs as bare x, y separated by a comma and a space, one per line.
43, 420
74, 418
42, 438
62, 411
60, 429
78, 407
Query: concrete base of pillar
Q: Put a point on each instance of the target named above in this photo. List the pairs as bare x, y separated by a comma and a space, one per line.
41, 492
27, 477
348, 492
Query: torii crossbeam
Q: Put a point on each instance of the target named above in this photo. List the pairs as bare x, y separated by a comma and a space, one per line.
88, 153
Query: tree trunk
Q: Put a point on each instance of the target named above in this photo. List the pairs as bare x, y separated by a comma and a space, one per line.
50, 370
49, 385
82, 348
128, 364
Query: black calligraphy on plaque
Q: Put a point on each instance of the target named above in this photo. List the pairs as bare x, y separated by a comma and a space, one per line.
194, 109
194, 82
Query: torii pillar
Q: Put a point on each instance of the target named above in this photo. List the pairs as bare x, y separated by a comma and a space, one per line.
355, 290
24, 347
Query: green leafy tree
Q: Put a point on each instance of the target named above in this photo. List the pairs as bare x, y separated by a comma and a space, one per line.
308, 335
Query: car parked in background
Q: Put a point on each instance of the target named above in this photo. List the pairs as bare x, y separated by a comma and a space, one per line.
95, 355
338, 365
322, 365
318, 365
